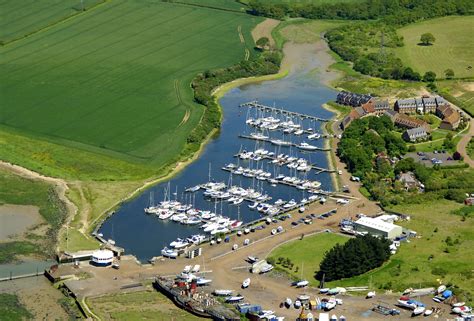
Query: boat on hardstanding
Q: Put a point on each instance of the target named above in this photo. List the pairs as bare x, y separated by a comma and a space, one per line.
246, 283
306, 146
223, 292
166, 252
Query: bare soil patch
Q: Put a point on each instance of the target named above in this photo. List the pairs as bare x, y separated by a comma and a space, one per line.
264, 29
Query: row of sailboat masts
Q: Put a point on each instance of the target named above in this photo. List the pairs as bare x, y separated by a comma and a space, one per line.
276, 111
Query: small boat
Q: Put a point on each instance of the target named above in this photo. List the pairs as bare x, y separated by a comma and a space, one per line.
166, 252
280, 142
253, 206
233, 299
246, 283
428, 312
266, 268
461, 310
223, 292
179, 245
239, 233
314, 136
303, 297
297, 304
441, 289
302, 209
299, 132
324, 290
193, 189
258, 136
252, 259
301, 284
238, 201
370, 295
288, 302
459, 304
418, 310
246, 230
202, 281
274, 231
220, 229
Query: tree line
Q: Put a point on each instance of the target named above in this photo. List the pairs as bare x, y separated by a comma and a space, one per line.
391, 11
267, 62
355, 257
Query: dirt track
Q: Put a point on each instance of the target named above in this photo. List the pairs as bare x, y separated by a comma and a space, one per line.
462, 145
264, 29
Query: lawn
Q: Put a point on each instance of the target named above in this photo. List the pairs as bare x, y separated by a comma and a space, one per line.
429, 257
452, 49
303, 2
309, 251
115, 80
145, 305
21, 18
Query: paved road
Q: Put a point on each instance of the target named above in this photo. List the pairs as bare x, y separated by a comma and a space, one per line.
462, 145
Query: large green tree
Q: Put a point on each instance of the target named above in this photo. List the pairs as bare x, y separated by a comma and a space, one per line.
427, 39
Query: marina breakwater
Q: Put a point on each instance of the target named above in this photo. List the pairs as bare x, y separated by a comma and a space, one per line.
300, 92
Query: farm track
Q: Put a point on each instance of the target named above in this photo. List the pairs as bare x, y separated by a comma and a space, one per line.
180, 101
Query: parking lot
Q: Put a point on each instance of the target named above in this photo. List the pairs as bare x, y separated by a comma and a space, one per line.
442, 158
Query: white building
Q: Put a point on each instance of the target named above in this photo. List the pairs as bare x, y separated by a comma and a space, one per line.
377, 227
102, 257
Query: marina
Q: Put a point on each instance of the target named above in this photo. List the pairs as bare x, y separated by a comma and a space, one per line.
147, 235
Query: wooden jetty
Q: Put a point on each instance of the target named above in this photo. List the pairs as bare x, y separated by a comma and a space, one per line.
268, 140
255, 104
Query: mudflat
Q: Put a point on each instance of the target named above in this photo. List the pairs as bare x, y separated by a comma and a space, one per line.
16, 219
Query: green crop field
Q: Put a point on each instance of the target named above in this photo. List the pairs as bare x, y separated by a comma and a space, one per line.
452, 49
309, 251
21, 18
218, 4
303, 2
116, 79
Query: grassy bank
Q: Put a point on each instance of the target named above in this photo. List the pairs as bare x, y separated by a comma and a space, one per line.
137, 306
12, 309
310, 251
442, 251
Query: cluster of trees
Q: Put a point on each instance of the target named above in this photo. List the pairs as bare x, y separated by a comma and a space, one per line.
355, 257
356, 42
203, 84
391, 11
364, 139
451, 184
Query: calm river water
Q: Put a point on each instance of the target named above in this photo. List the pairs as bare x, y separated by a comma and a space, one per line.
145, 235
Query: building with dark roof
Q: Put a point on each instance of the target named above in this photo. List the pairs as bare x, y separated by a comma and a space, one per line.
352, 99
450, 117
405, 121
414, 134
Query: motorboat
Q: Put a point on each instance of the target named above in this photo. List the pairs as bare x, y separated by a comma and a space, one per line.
324, 290
193, 220
306, 146
459, 304
222, 292
246, 283
179, 244
179, 217
288, 302
165, 214
238, 201
236, 224
234, 299
314, 136
370, 295
266, 268
418, 310
252, 259
302, 209
193, 189
280, 142
297, 304
428, 312
253, 206
196, 239
166, 252
202, 281
219, 229
301, 284
461, 310
258, 136
290, 204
